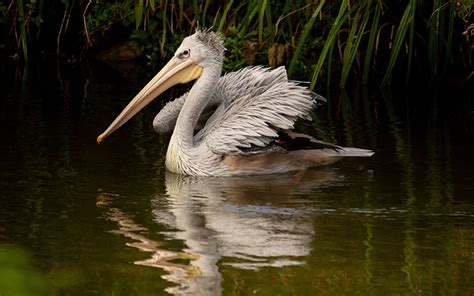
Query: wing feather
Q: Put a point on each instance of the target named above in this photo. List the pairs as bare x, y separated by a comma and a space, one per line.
254, 120
247, 81
165, 120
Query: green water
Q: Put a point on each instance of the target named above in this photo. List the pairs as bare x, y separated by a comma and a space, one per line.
77, 218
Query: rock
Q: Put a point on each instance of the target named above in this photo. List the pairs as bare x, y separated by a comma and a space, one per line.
124, 51
277, 55
249, 51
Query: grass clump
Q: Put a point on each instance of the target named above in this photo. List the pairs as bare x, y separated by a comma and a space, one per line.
346, 40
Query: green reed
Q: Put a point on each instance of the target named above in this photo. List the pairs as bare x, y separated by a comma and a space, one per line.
408, 16
356, 40
261, 14
353, 41
139, 8
368, 59
304, 34
22, 23
224, 15
449, 38
340, 19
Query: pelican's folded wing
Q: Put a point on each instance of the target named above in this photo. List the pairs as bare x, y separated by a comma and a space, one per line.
252, 120
165, 120
233, 85
246, 81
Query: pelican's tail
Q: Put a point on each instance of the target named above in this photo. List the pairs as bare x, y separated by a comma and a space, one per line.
352, 152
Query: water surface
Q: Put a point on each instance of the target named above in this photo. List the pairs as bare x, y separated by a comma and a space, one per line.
81, 218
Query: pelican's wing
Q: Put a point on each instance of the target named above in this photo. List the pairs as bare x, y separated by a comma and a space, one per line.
254, 120
250, 80
165, 120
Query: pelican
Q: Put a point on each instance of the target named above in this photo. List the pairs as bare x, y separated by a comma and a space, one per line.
237, 124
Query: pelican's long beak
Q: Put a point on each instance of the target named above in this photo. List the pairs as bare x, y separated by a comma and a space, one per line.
176, 71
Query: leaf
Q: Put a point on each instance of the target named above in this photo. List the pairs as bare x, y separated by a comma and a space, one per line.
341, 17
138, 13
398, 41
303, 36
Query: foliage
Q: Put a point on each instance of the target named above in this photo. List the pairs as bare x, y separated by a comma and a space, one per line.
101, 18
23, 16
253, 27
17, 277
463, 9
354, 39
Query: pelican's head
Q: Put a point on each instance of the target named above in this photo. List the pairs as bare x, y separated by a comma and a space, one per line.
201, 50
205, 48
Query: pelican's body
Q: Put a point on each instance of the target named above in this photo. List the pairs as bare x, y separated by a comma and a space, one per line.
236, 124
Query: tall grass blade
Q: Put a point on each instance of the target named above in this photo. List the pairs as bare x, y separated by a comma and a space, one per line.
346, 58
303, 36
398, 41
252, 10
328, 77
138, 13
434, 36
353, 43
163, 33
204, 13
340, 19
23, 36
196, 9
216, 17
224, 15
40, 14
268, 14
410, 45
449, 41
371, 45
261, 15
180, 11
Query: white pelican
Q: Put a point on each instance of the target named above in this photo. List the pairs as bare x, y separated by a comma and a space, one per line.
249, 129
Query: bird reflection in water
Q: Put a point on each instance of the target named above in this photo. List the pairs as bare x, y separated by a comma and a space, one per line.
244, 222
178, 273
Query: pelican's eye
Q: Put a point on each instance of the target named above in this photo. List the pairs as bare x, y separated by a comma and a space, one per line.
184, 54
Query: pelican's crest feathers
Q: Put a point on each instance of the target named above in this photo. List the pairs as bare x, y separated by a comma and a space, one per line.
210, 39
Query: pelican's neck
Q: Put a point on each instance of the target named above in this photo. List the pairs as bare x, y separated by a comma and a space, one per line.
196, 101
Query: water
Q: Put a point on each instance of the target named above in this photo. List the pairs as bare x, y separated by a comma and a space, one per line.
80, 218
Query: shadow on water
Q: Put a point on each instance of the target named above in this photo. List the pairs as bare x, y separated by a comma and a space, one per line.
108, 218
